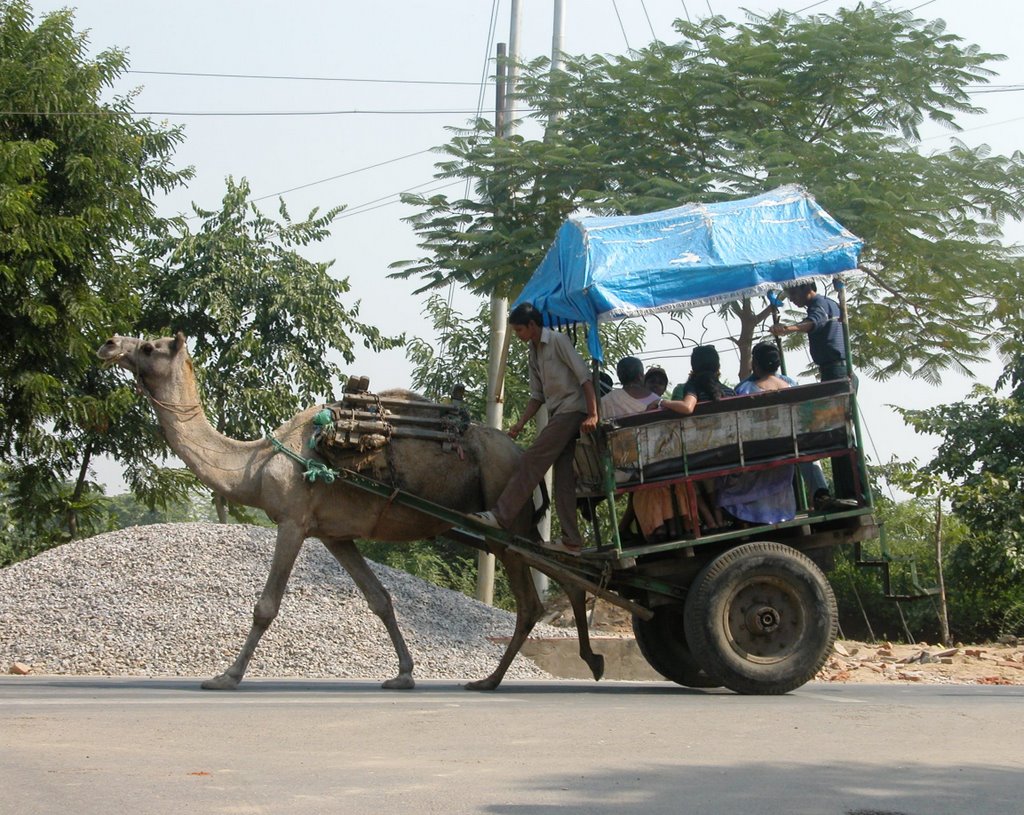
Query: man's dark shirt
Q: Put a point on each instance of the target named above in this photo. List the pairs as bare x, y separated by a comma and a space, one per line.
826, 338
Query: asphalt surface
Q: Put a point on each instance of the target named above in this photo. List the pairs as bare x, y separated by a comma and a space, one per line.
109, 745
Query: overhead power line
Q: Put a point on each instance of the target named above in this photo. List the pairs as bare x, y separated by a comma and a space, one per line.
342, 175
293, 78
995, 89
394, 198
240, 113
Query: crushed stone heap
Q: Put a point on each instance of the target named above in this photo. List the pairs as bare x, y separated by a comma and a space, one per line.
177, 600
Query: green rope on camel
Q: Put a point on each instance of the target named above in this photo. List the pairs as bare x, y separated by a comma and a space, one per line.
314, 469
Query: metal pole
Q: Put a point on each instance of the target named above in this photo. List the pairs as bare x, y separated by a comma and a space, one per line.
540, 580
865, 485
512, 72
499, 307
504, 89
557, 35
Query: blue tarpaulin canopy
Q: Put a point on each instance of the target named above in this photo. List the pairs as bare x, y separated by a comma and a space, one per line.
608, 268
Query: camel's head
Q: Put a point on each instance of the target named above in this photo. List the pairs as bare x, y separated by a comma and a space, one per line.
149, 360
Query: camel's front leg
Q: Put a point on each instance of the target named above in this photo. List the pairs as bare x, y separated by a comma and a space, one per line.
578, 600
528, 610
377, 597
289, 542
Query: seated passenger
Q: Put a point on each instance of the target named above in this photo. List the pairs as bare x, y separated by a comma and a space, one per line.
703, 385
656, 379
654, 509
633, 397
761, 496
765, 361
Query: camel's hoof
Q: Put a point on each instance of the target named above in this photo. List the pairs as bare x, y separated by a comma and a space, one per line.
222, 682
483, 684
400, 682
596, 663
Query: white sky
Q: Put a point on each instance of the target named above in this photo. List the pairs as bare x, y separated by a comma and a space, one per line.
440, 40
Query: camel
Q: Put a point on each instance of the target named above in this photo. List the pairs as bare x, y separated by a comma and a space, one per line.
253, 473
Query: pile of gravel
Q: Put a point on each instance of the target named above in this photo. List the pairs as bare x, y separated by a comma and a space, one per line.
177, 600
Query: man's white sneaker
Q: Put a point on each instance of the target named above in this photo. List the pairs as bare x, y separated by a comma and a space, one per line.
487, 518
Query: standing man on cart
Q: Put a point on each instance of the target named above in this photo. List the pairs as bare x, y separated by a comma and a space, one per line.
559, 379
824, 328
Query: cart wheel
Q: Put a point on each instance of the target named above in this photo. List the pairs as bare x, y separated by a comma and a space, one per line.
662, 641
761, 618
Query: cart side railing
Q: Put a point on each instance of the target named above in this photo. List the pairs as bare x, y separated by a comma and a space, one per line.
734, 435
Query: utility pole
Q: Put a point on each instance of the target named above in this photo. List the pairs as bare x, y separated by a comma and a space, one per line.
504, 88
540, 580
495, 349
557, 34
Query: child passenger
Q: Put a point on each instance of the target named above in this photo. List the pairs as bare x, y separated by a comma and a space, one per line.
654, 509
703, 385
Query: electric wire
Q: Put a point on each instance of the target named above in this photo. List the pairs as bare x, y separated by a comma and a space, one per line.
341, 175
247, 113
367, 206
615, 6
812, 5
650, 25
285, 77
491, 33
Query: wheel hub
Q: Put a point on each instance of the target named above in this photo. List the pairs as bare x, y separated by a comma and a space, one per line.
763, 620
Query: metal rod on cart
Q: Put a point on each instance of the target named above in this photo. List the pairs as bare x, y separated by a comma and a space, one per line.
865, 485
778, 340
608, 470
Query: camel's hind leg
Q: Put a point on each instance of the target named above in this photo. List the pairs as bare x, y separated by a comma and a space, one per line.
528, 610
377, 597
578, 600
289, 542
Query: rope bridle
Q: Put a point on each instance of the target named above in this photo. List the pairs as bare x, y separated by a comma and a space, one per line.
184, 410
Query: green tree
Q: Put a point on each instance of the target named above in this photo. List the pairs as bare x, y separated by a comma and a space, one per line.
126, 510
77, 177
832, 102
979, 468
266, 324
460, 357
909, 532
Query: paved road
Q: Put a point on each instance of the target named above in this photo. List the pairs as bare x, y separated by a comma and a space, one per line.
97, 745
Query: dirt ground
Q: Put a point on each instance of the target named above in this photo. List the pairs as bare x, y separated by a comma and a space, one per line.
852, 661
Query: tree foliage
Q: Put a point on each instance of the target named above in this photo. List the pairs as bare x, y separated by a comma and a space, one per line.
267, 325
832, 102
910, 532
78, 173
979, 468
461, 357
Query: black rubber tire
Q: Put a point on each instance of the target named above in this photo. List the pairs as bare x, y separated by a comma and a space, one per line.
761, 618
662, 642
